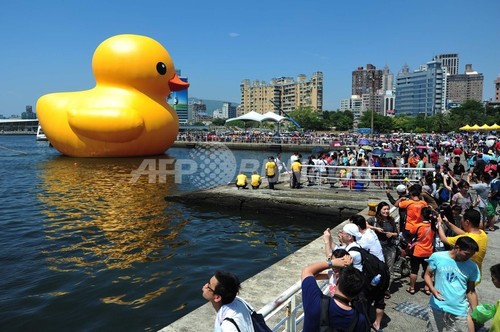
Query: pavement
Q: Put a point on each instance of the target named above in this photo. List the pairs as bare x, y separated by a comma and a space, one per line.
403, 311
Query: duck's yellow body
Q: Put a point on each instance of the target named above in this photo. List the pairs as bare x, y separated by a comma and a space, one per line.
126, 113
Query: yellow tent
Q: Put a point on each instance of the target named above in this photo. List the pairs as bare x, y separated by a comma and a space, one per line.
475, 127
466, 127
494, 126
485, 127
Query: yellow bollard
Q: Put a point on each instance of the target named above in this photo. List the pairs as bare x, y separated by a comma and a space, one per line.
372, 208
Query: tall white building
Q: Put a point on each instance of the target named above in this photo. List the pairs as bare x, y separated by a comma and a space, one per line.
353, 104
387, 79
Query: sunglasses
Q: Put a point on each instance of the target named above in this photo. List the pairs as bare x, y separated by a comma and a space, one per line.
208, 287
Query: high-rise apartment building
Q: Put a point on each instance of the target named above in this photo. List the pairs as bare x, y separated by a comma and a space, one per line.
450, 61
463, 87
421, 91
366, 81
282, 92
368, 84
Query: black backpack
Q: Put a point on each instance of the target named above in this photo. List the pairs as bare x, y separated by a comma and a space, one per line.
258, 321
371, 267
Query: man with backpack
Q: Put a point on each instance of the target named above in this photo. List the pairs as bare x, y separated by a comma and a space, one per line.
341, 312
372, 260
366, 262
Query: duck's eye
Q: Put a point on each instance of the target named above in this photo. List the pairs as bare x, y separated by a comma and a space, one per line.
161, 68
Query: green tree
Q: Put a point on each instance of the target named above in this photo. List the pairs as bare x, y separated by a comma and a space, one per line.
340, 120
307, 118
471, 112
219, 122
402, 123
381, 124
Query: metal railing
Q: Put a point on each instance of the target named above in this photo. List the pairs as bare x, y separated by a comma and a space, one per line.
358, 178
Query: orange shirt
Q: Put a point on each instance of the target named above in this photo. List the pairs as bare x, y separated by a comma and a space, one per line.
425, 240
412, 161
413, 212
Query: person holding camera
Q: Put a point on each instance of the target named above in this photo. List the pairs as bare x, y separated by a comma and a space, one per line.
470, 223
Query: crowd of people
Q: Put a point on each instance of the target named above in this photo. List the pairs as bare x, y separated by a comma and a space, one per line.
443, 229
391, 160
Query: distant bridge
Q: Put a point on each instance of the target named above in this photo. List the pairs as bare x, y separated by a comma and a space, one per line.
18, 126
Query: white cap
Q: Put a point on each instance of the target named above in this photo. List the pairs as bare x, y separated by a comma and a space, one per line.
401, 188
353, 230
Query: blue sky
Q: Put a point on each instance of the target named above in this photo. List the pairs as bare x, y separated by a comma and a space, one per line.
47, 46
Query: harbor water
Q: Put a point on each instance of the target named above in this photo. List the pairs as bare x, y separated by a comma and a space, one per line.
85, 248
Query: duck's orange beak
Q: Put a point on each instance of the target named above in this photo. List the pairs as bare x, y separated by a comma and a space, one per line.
176, 84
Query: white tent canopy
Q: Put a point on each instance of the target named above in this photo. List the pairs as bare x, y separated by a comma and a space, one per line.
250, 116
254, 116
270, 116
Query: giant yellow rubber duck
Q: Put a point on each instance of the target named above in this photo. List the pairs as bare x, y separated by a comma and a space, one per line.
126, 113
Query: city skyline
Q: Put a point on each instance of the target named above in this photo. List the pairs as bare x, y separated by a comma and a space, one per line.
48, 46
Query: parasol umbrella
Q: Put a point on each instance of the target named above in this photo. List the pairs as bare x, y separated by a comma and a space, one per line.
421, 147
419, 142
445, 143
367, 147
391, 154
364, 141
490, 141
378, 152
336, 143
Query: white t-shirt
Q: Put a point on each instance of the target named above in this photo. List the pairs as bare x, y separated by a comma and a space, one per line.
369, 241
238, 311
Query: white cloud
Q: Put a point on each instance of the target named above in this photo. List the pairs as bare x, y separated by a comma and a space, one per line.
234, 34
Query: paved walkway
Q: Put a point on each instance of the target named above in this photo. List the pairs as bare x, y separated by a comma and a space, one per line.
264, 287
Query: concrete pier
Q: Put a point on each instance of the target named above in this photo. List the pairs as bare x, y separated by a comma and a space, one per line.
267, 285
317, 201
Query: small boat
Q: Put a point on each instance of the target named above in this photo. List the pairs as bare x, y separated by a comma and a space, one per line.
40, 135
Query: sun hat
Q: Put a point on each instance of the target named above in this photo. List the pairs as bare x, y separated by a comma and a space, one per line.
401, 188
352, 229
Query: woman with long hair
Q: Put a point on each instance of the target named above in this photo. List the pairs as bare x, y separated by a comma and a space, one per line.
387, 232
422, 246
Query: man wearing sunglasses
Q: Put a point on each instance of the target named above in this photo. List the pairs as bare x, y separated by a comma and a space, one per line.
233, 315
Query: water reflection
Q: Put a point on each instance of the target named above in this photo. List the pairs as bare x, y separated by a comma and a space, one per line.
96, 220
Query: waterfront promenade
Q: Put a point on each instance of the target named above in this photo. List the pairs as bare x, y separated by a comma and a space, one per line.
403, 311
